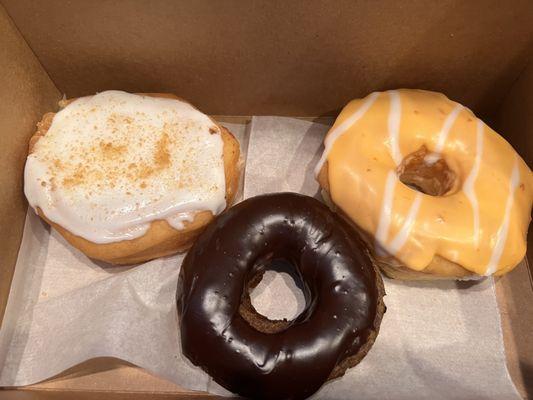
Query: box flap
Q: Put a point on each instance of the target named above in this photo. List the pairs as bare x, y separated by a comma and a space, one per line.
26, 93
280, 58
101, 374
263, 58
515, 290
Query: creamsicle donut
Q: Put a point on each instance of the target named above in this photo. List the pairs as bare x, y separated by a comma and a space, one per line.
126, 178
437, 192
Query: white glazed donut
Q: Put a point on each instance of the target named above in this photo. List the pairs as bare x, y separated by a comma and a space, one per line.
126, 178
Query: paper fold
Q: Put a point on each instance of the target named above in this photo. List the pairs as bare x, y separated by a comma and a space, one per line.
437, 339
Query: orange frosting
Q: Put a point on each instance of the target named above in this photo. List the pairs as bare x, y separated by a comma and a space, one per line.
481, 225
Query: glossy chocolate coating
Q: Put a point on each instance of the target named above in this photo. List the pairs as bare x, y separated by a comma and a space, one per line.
342, 288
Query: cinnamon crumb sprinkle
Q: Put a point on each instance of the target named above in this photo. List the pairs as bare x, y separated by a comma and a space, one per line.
162, 155
111, 151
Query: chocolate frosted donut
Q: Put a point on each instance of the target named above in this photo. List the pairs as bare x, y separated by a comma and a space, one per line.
249, 354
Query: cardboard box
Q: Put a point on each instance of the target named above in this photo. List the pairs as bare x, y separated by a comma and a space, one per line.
259, 58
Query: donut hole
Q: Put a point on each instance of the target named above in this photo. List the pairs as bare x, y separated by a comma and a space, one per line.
428, 173
274, 297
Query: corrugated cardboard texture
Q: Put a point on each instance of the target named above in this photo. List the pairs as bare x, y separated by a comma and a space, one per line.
515, 290
26, 93
300, 58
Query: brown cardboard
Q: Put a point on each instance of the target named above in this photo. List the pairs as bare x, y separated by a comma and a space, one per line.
515, 291
280, 58
230, 58
514, 120
515, 299
26, 93
103, 374
99, 373
30, 394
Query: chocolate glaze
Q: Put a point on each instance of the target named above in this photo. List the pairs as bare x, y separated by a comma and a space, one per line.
343, 292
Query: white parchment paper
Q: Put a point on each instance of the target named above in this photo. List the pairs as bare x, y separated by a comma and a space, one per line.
438, 339
64, 309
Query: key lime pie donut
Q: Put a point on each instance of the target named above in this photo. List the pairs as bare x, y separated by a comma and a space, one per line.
437, 192
126, 178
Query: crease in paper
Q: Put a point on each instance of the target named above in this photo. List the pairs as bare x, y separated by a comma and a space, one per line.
437, 340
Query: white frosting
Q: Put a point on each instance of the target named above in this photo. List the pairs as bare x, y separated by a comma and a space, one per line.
403, 234
468, 186
382, 231
432, 158
401, 237
448, 123
443, 135
395, 115
501, 235
343, 127
112, 163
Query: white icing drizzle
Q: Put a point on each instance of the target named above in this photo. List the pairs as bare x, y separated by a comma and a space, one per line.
382, 231
431, 158
343, 127
501, 235
468, 187
112, 163
448, 123
386, 211
443, 135
401, 237
395, 115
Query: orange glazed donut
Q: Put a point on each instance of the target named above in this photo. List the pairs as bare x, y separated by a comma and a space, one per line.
437, 192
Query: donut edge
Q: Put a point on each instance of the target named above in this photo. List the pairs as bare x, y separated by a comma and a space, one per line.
438, 269
351, 361
161, 239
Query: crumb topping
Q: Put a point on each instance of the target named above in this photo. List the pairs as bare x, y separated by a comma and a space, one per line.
127, 154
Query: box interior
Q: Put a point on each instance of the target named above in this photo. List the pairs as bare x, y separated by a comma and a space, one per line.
260, 58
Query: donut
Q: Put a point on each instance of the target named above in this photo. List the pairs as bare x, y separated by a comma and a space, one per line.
249, 354
126, 178
436, 193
